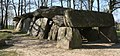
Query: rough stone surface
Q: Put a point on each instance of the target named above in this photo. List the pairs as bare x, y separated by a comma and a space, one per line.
53, 32
39, 11
82, 18
52, 11
26, 25
58, 20
19, 25
31, 25
38, 27
23, 16
108, 34
64, 17
68, 38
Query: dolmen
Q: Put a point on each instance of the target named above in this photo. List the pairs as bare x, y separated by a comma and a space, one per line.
68, 26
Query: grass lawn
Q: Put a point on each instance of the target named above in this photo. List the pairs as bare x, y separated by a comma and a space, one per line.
8, 53
5, 35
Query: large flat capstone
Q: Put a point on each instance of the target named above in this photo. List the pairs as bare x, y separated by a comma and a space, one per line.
82, 18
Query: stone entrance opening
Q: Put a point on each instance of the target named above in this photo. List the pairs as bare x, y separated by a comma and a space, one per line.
89, 34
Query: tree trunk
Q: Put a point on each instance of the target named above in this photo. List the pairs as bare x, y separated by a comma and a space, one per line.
98, 5
2, 24
38, 3
51, 2
81, 4
14, 7
61, 3
111, 6
69, 3
29, 5
42, 2
19, 8
25, 6
90, 4
45, 2
73, 4
6, 13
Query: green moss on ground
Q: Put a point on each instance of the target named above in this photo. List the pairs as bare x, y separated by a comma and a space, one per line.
5, 35
8, 53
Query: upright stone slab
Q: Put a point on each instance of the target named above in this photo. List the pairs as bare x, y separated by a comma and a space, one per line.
58, 21
26, 25
33, 20
38, 27
53, 32
108, 34
68, 38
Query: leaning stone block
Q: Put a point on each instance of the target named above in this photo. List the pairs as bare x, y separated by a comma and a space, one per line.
108, 34
68, 38
38, 27
19, 25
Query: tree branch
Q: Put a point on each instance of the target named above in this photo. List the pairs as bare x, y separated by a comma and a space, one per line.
115, 3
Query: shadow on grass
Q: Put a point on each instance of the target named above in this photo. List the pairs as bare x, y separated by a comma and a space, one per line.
5, 46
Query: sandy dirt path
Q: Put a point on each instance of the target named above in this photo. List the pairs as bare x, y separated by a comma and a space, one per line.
34, 47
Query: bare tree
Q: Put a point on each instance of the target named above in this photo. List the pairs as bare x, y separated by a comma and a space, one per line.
52, 2
25, 5
98, 3
73, 4
69, 3
2, 24
90, 4
42, 2
45, 2
29, 5
113, 5
14, 7
81, 4
21, 7
18, 7
61, 2
6, 13
38, 3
